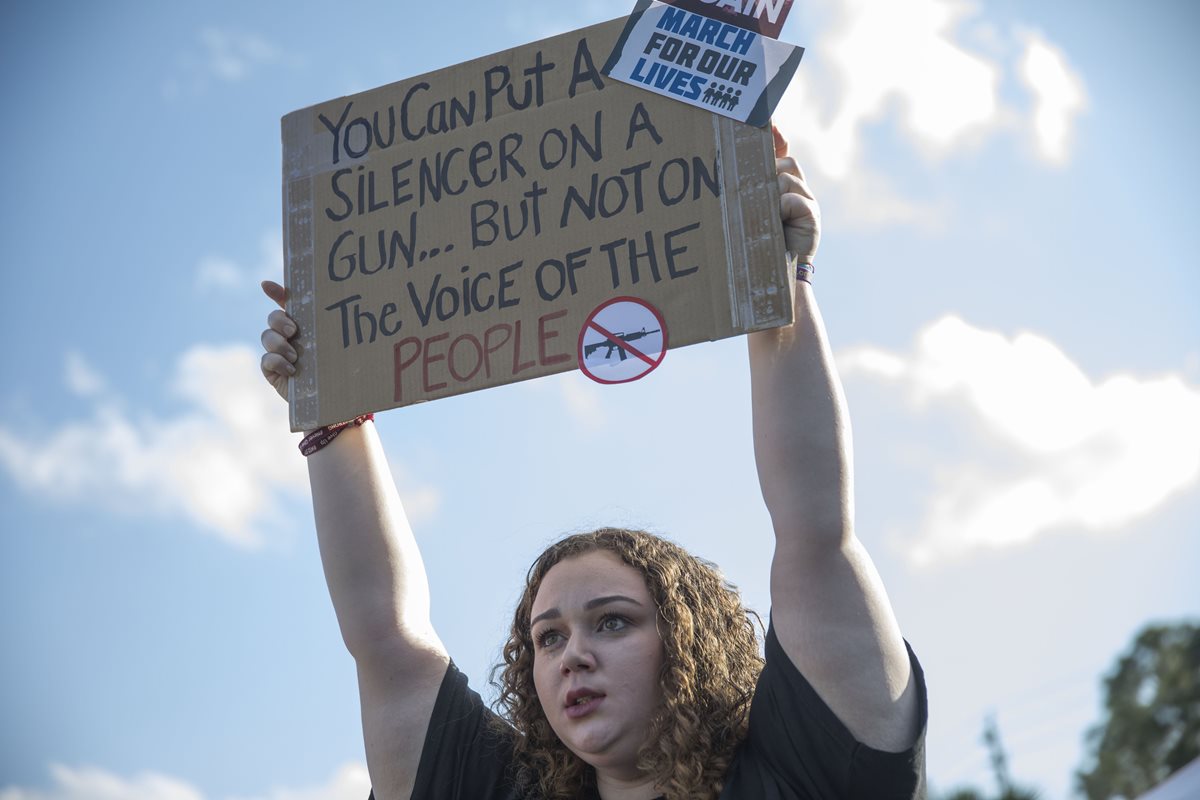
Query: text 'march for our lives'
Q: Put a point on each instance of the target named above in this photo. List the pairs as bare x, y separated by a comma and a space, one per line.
703, 60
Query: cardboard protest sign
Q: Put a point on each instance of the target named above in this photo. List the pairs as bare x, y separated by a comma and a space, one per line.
455, 231
696, 59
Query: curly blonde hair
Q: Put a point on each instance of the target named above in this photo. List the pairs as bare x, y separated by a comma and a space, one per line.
711, 664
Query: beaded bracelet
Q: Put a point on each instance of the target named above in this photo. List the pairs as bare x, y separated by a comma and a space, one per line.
314, 441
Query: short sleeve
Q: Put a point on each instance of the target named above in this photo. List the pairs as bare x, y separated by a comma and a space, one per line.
465, 756
797, 748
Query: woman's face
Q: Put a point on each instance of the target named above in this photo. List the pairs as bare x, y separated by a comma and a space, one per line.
597, 658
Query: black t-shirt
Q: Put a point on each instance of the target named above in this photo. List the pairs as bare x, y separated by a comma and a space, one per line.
796, 749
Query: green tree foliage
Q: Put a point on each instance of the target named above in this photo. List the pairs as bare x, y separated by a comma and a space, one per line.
999, 760
975, 794
1152, 725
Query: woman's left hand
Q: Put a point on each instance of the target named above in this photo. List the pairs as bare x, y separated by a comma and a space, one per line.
798, 209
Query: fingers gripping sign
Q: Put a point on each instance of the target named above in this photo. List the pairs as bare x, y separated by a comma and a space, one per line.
798, 208
279, 357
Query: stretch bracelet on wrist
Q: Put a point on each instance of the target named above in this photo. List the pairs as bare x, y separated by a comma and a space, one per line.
314, 441
804, 269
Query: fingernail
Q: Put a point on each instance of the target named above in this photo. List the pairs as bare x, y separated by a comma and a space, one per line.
291, 369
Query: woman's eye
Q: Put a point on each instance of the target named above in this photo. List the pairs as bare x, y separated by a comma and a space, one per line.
547, 639
612, 624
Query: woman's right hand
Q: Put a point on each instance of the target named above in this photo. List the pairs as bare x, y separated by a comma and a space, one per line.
279, 359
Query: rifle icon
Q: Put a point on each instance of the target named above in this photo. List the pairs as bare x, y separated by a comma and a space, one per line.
588, 349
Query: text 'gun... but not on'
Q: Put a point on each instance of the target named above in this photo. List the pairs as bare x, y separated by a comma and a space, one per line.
612, 344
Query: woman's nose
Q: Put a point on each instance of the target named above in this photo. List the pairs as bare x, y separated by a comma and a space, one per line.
577, 656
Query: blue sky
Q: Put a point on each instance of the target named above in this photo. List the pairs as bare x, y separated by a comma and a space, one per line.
1008, 272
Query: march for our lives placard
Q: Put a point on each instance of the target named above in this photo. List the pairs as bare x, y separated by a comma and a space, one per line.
703, 61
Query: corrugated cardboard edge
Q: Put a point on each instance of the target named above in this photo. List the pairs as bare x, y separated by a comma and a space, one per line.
759, 291
300, 265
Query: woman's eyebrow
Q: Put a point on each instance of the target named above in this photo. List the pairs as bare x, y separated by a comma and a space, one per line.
612, 598
553, 613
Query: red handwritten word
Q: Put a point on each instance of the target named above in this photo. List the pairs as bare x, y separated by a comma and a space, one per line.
442, 359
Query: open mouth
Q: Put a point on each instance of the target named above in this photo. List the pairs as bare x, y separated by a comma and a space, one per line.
582, 695
582, 703
584, 707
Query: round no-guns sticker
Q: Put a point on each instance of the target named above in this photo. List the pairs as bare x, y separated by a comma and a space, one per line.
622, 340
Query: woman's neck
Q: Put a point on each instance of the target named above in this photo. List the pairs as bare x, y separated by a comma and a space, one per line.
614, 788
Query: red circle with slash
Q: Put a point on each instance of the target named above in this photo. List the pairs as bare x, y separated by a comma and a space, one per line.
623, 340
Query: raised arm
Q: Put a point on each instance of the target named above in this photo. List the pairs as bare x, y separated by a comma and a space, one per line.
376, 580
829, 607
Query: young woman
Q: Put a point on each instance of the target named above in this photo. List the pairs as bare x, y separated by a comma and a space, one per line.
632, 670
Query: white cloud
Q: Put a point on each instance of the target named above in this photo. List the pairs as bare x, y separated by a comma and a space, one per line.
579, 395
228, 463
349, 782
222, 464
86, 783
582, 398
1093, 455
1058, 93
219, 272
81, 378
903, 51
231, 55
420, 501
223, 55
933, 70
